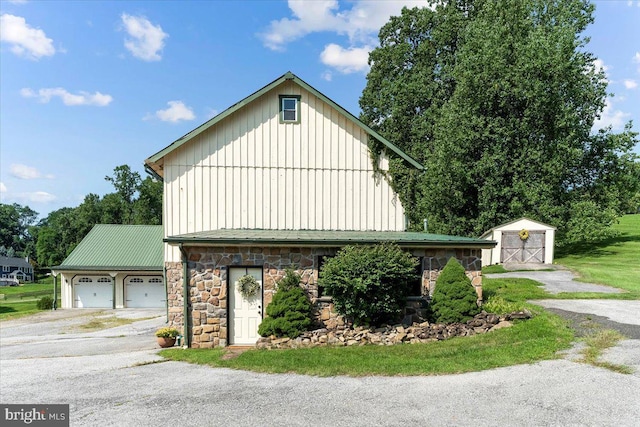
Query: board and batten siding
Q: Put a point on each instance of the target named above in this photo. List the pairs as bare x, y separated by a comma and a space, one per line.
250, 171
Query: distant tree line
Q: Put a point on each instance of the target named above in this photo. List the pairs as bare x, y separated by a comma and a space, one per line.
49, 241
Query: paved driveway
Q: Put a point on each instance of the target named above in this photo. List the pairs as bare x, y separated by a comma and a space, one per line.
109, 379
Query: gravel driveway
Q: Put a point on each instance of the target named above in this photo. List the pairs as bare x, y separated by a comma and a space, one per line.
109, 379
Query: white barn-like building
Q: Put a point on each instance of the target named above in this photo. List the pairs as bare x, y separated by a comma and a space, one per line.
283, 178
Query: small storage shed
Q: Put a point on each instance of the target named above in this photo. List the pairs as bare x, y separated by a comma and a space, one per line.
521, 241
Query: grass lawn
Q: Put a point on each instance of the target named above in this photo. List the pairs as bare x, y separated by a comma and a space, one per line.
614, 262
18, 301
526, 342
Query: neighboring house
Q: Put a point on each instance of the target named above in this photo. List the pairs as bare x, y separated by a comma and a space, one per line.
115, 266
282, 178
16, 269
521, 241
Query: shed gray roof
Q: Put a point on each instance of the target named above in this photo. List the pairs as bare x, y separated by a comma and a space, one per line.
335, 238
118, 248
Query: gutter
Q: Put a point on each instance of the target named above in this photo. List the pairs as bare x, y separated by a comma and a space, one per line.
486, 244
185, 297
153, 173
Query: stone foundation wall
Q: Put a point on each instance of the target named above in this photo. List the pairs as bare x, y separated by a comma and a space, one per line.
207, 288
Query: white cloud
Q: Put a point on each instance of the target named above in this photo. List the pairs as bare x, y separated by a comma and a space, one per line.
610, 117
361, 23
630, 84
177, 111
327, 75
35, 197
82, 98
350, 60
27, 172
25, 40
308, 17
600, 65
3, 188
636, 59
147, 40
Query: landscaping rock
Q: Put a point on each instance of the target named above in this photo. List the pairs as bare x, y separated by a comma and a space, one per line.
391, 335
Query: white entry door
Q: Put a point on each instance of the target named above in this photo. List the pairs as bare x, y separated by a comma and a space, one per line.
245, 313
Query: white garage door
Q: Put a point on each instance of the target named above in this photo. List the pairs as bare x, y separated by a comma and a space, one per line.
93, 292
145, 291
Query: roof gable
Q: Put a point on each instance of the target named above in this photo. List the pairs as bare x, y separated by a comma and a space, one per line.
118, 247
525, 219
152, 164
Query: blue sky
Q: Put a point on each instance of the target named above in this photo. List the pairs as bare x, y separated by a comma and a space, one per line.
86, 86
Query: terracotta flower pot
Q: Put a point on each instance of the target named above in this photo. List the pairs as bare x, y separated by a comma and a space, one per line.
165, 342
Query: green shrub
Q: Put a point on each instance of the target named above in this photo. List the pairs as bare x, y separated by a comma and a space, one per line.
45, 303
290, 310
369, 284
454, 299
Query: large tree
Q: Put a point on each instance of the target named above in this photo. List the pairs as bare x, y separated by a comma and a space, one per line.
148, 205
498, 99
127, 184
15, 223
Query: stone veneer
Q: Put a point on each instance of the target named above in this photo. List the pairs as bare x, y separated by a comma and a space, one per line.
207, 270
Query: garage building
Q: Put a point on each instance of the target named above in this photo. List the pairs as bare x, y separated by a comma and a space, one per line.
115, 266
521, 241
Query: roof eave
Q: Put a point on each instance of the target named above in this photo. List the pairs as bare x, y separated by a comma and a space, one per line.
105, 268
203, 241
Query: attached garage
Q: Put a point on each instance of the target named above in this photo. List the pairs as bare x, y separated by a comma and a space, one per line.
523, 241
92, 292
115, 266
145, 292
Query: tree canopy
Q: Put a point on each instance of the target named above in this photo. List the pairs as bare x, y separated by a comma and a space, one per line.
51, 240
498, 99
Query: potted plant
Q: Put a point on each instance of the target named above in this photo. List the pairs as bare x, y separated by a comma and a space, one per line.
166, 337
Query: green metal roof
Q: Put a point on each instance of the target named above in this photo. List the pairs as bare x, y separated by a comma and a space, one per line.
118, 247
246, 237
289, 76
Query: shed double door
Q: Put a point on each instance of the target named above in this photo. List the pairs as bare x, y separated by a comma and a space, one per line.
514, 249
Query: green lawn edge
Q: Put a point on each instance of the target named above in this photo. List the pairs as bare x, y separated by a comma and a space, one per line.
528, 341
612, 262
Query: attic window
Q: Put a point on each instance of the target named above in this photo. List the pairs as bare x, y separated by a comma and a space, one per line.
289, 108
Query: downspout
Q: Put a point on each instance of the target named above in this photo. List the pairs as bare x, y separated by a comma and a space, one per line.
185, 297
113, 288
55, 291
166, 291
